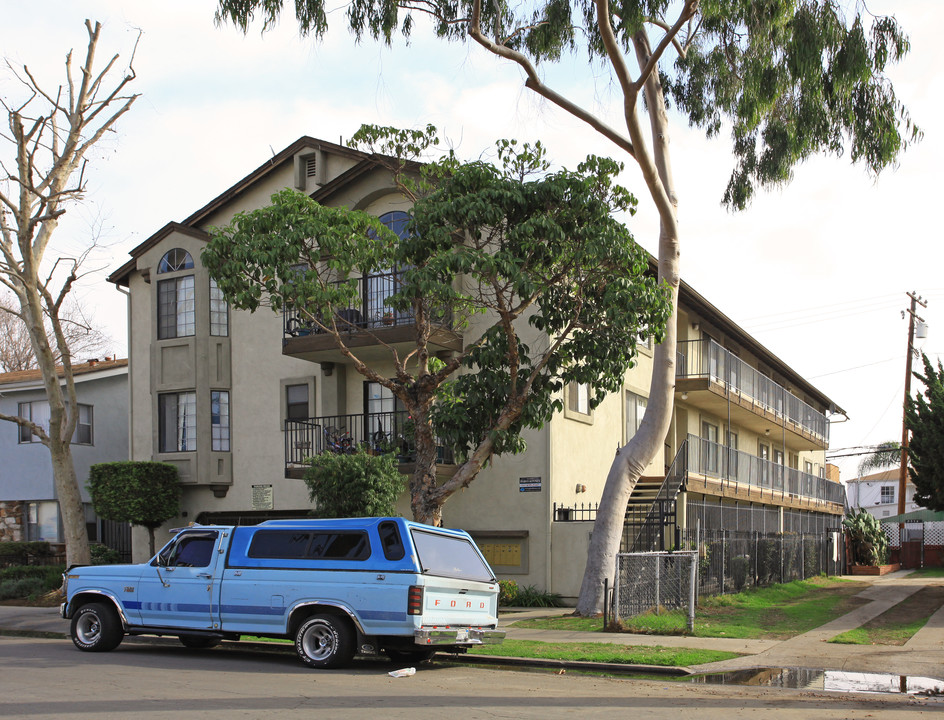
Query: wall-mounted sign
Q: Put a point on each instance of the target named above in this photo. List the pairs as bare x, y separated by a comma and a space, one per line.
262, 497
529, 484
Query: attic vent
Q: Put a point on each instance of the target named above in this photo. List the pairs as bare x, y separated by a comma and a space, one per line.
311, 166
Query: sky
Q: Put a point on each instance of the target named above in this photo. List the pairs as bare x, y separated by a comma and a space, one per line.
817, 271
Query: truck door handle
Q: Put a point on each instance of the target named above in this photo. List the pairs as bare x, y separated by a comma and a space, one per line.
204, 575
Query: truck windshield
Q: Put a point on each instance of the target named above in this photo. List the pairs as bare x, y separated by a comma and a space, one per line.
448, 556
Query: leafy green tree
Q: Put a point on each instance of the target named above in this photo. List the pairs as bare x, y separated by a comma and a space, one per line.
558, 289
136, 492
354, 485
924, 418
788, 78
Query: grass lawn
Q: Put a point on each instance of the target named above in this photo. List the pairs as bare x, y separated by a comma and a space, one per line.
776, 612
930, 572
899, 623
604, 652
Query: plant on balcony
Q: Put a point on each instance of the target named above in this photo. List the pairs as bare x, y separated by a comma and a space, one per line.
867, 540
353, 485
516, 248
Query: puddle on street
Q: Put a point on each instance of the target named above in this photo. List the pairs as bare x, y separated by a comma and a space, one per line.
832, 680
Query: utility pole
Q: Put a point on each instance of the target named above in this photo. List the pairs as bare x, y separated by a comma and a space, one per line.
903, 472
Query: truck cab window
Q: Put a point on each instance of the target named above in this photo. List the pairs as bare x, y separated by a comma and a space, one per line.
192, 551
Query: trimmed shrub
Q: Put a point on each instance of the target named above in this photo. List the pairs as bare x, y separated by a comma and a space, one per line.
104, 555
354, 485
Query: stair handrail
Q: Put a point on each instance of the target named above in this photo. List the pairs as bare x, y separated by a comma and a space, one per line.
668, 491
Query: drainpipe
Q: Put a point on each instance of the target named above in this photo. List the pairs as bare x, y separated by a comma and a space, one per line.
127, 294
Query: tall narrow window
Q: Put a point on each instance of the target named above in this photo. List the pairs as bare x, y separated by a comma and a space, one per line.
175, 308
177, 431
888, 495
635, 409
83, 428
219, 420
296, 402
385, 282
219, 311
578, 398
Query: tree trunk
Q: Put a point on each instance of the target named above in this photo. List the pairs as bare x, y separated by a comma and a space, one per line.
632, 459
70, 504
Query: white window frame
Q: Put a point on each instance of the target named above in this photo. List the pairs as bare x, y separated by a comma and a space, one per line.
185, 422
220, 421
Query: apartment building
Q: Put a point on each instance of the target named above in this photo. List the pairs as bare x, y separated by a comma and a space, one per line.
237, 400
29, 509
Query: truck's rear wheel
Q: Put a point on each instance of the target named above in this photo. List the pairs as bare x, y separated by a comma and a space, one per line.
96, 628
325, 641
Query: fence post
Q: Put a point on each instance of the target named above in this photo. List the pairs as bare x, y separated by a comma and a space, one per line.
691, 592
616, 587
658, 559
724, 550
781, 557
802, 556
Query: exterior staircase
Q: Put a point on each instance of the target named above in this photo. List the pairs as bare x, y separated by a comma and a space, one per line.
650, 513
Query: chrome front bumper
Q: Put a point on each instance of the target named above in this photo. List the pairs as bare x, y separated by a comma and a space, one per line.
458, 636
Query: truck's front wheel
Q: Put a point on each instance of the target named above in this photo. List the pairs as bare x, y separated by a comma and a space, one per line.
96, 628
325, 641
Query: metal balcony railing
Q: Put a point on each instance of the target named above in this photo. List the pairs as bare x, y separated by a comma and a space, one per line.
367, 311
706, 358
380, 433
734, 466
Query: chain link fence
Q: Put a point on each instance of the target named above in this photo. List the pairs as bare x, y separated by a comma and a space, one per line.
656, 582
719, 562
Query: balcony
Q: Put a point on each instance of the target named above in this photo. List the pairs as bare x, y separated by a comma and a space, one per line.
718, 470
377, 433
721, 382
367, 324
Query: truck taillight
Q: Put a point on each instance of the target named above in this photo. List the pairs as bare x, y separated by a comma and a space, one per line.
414, 600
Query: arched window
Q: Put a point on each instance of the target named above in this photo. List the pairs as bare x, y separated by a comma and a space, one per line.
174, 260
175, 300
397, 221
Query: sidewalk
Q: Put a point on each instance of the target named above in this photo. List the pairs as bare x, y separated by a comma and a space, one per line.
923, 655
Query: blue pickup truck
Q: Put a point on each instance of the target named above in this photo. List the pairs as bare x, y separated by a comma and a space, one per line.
335, 587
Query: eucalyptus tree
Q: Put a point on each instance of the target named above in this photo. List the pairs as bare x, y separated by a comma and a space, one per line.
786, 78
547, 286
49, 134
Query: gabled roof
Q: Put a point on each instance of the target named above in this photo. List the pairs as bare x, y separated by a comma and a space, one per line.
78, 370
190, 224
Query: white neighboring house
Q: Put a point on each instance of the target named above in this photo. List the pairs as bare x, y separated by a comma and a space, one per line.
878, 494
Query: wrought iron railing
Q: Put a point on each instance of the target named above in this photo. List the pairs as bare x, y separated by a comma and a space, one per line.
379, 433
367, 311
734, 466
706, 358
